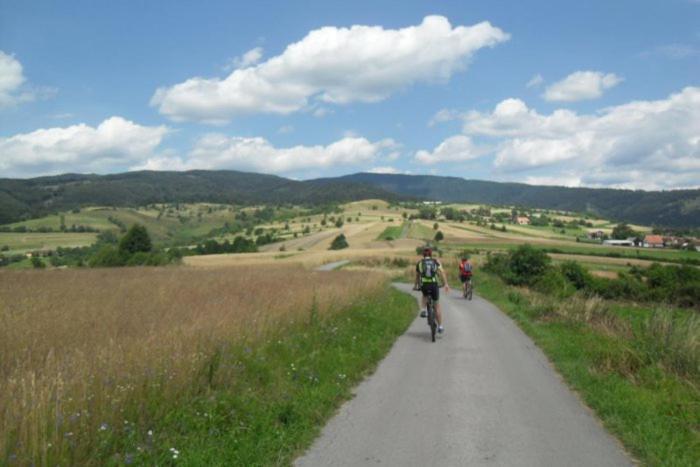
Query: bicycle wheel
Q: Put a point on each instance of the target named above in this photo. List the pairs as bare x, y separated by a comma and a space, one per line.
431, 320
470, 291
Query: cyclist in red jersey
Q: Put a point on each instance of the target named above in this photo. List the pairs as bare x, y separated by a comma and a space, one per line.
465, 272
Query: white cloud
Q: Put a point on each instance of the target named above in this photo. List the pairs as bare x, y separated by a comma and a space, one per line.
11, 81
115, 144
332, 65
535, 81
444, 115
218, 151
454, 149
581, 85
384, 170
642, 144
285, 129
673, 51
321, 112
248, 59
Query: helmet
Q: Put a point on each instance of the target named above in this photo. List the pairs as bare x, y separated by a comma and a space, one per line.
427, 251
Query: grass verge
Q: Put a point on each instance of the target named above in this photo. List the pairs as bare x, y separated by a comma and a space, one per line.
619, 369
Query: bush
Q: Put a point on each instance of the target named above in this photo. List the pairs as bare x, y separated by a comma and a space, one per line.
439, 236
339, 243
107, 256
576, 274
37, 262
136, 240
553, 282
527, 264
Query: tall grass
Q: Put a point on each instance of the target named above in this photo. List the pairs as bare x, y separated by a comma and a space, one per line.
86, 352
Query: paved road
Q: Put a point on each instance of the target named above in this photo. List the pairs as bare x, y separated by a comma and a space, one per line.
482, 395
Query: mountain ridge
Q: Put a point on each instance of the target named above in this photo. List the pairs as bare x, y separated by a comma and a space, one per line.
25, 198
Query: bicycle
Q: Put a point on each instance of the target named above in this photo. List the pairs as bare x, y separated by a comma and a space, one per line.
468, 289
432, 315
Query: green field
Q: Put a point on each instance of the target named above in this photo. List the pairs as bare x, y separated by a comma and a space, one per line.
420, 231
393, 233
27, 242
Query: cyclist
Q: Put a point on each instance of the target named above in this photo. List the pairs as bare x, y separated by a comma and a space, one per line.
427, 271
465, 272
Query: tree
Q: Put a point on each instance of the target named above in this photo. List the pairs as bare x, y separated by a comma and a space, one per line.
435, 226
339, 243
37, 262
439, 236
135, 240
339, 223
623, 232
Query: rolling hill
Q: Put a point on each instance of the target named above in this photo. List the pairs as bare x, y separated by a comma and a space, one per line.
676, 208
25, 198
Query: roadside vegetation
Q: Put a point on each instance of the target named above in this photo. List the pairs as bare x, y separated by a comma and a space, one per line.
159, 366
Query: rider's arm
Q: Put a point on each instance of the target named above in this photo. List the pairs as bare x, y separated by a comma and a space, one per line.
444, 278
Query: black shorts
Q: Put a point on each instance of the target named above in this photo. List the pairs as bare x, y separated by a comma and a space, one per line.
432, 290
465, 278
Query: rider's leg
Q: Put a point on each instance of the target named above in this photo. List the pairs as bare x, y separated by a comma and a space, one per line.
438, 313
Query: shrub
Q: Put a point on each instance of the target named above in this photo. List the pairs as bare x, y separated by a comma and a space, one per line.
576, 274
339, 243
526, 264
439, 236
135, 240
37, 262
553, 282
107, 256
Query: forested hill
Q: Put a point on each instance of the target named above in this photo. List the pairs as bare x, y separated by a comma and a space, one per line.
24, 198
677, 208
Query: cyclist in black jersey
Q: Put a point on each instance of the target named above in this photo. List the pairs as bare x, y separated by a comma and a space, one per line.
427, 271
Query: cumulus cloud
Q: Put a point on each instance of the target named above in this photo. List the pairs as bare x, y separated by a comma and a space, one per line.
218, 151
673, 51
581, 85
535, 81
13, 89
332, 65
444, 115
642, 144
384, 170
248, 59
114, 144
454, 149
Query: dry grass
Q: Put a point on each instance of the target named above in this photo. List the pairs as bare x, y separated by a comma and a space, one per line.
84, 350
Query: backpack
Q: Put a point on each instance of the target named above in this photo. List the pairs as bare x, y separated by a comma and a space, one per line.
428, 269
466, 268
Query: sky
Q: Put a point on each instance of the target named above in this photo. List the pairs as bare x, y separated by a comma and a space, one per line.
595, 93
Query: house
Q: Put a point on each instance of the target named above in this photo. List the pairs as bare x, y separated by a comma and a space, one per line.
522, 220
653, 241
596, 234
628, 242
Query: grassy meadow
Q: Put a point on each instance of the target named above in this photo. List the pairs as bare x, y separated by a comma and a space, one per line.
101, 365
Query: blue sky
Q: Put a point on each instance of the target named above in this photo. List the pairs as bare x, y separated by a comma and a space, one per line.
327, 88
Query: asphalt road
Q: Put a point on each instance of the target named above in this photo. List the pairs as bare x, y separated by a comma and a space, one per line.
483, 394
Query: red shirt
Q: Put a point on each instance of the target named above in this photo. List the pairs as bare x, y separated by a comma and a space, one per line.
465, 268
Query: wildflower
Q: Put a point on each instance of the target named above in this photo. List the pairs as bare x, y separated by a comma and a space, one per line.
104, 427
150, 432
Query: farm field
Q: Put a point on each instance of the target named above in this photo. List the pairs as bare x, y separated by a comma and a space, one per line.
110, 363
24, 242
